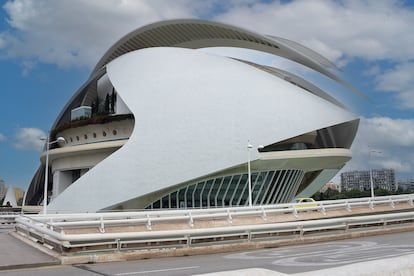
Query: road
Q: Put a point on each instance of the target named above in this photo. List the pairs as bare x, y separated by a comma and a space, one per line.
289, 260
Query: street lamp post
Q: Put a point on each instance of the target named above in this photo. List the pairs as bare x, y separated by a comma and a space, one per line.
59, 139
249, 174
372, 184
249, 147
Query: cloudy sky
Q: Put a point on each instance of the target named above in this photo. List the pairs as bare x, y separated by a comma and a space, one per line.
48, 49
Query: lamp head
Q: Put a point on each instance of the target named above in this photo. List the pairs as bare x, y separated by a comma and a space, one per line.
61, 139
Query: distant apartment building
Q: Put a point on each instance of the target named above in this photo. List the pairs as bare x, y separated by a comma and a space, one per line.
407, 185
361, 180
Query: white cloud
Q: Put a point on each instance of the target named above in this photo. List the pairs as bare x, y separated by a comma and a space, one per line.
77, 32
400, 80
373, 71
27, 66
2, 137
29, 139
383, 131
383, 142
337, 29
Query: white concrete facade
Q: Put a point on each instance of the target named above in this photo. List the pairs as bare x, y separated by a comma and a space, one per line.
194, 114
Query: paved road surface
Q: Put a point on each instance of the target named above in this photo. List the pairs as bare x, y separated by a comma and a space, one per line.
14, 252
313, 258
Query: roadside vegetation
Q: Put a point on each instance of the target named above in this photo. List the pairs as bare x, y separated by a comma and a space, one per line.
331, 194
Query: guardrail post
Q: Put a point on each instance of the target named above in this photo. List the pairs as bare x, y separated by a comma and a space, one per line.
392, 203
264, 215
51, 224
188, 240
229, 217
118, 244
149, 224
295, 212
371, 204
410, 201
102, 226
348, 207
190, 221
323, 210
249, 235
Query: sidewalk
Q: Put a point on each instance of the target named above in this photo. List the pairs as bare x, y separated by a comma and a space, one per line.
15, 254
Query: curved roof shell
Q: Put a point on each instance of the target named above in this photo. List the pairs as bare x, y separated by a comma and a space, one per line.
193, 117
194, 34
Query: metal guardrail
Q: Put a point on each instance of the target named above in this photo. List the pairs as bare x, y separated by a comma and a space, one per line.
189, 237
190, 215
102, 231
171, 213
8, 216
7, 220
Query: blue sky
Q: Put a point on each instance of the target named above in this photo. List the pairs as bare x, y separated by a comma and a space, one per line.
48, 48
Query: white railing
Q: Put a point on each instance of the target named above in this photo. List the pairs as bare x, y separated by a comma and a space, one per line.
152, 216
8, 216
188, 237
7, 220
60, 230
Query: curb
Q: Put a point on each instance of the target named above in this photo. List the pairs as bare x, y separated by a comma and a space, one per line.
26, 266
213, 249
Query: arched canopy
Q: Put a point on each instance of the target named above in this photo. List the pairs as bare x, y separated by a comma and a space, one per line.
194, 34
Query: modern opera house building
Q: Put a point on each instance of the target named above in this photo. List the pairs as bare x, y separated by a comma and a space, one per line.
161, 124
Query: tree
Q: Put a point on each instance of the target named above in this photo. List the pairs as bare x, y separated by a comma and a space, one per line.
381, 192
331, 193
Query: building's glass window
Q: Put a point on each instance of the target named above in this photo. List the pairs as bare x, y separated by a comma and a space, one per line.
75, 175
173, 200
165, 202
268, 187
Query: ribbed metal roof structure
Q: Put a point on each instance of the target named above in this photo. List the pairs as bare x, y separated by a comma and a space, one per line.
194, 33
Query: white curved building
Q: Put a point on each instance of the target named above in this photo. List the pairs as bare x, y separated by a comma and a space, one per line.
170, 125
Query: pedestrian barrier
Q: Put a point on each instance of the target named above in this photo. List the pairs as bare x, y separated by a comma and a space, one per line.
7, 220
8, 216
83, 232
